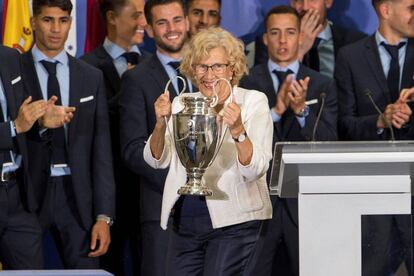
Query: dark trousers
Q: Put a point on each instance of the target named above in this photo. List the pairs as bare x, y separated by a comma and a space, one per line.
20, 233
386, 243
154, 248
59, 215
125, 247
277, 235
197, 249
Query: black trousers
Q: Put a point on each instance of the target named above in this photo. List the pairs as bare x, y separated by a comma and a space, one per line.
197, 249
154, 248
278, 236
59, 215
20, 232
386, 243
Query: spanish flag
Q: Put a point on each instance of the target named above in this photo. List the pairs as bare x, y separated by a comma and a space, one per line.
17, 32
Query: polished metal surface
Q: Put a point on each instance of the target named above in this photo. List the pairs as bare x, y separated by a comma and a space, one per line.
197, 134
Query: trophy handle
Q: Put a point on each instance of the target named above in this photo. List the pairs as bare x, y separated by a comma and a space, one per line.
165, 91
215, 96
215, 103
181, 79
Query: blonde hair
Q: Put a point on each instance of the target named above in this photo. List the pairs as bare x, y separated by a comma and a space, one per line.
203, 42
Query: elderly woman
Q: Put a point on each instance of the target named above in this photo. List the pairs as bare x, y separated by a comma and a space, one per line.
216, 235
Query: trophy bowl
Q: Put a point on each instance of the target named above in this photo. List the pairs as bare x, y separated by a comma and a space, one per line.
197, 134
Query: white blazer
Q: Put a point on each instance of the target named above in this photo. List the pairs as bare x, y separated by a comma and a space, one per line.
240, 193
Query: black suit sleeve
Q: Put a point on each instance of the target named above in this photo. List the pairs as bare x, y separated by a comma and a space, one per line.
327, 127
351, 125
103, 178
137, 121
6, 140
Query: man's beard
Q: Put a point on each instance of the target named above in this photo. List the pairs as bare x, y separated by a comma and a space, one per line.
171, 49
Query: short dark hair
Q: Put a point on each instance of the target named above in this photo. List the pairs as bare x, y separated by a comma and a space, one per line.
188, 4
110, 5
65, 5
281, 10
152, 3
376, 3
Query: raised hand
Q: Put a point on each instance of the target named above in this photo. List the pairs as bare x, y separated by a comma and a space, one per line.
29, 113
162, 108
297, 96
283, 101
56, 115
232, 118
396, 114
309, 30
407, 95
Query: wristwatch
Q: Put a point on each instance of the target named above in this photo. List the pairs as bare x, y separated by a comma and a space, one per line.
303, 112
105, 218
240, 138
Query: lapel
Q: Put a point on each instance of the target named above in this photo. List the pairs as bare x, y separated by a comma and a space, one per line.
108, 68
266, 83
337, 37
373, 59
158, 72
75, 93
408, 69
6, 78
30, 75
266, 80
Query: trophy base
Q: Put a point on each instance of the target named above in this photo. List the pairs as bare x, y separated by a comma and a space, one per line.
195, 191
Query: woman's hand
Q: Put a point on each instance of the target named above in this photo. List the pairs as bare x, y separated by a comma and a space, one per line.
232, 118
162, 108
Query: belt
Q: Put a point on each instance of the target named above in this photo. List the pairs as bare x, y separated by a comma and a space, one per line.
8, 176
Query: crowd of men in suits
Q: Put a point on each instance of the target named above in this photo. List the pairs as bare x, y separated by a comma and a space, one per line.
72, 132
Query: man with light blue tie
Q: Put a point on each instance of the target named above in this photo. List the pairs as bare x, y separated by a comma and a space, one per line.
73, 174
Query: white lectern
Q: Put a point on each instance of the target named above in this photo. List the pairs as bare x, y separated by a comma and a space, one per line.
336, 183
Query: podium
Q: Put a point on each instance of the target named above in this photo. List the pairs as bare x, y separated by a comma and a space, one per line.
69, 272
336, 183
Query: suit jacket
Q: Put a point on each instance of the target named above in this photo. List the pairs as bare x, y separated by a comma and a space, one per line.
340, 37
100, 59
288, 128
12, 82
127, 182
357, 71
140, 88
88, 142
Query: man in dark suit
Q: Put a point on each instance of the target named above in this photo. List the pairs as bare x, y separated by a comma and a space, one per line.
140, 88
73, 175
295, 94
125, 24
372, 72
20, 231
321, 39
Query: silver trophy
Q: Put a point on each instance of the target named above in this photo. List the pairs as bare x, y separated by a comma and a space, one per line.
197, 134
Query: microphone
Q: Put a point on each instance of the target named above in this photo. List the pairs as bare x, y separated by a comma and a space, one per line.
389, 126
322, 97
